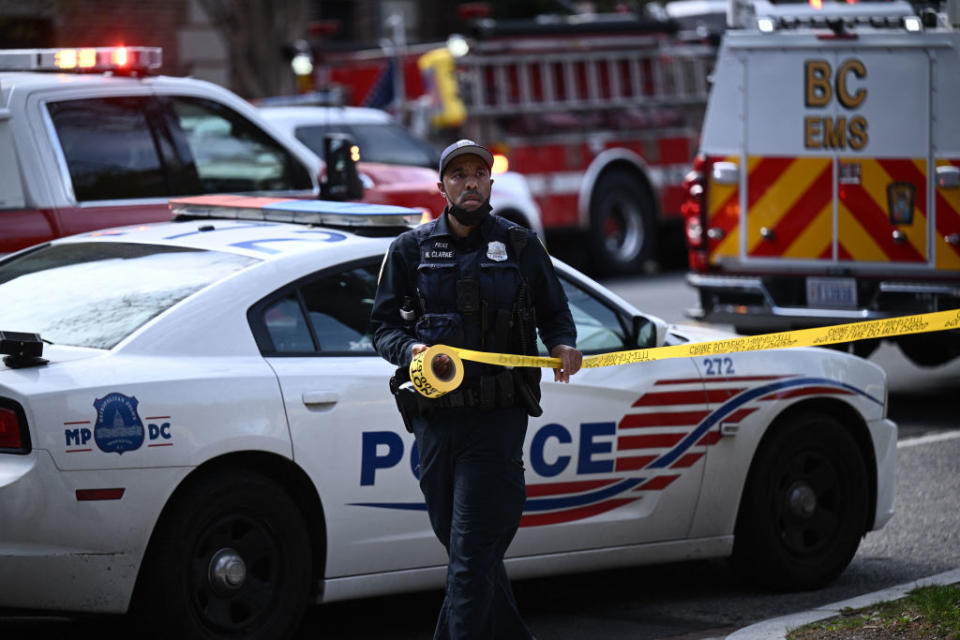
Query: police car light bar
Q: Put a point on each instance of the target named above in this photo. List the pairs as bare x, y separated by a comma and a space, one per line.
317, 212
121, 60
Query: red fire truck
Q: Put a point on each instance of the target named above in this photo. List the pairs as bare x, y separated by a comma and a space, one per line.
602, 116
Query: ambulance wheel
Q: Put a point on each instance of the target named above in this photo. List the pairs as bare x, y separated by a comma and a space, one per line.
622, 225
861, 348
230, 559
929, 349
804, 507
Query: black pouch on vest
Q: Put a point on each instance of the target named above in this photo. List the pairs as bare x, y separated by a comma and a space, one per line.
440, 328
468, 296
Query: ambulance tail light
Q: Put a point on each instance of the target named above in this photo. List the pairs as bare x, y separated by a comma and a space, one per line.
694, 210
14, 437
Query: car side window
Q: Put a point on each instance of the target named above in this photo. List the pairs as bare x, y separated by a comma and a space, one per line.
287, 326
232, 154
109, 148
339, 305
328, 314
392, 144
312, 136
599, 329
387, 143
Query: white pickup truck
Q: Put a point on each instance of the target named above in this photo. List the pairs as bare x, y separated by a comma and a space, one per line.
91, 139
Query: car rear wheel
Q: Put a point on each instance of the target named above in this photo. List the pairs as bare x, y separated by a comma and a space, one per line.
231, 559
804, 508
622, 225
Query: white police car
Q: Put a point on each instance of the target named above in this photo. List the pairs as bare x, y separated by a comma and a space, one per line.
208, 438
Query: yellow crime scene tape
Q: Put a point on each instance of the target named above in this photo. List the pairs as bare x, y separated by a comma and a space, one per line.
429, 384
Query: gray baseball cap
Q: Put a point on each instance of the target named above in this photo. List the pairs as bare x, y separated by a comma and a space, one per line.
462, 147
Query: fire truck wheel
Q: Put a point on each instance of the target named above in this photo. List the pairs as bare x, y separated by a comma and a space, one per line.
804, 507
230, 558
622, 225
930, 350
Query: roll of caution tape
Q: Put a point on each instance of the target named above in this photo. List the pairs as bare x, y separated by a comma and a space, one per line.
432, 386
424, 377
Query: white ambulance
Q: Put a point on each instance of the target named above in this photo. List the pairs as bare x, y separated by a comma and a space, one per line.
827, 189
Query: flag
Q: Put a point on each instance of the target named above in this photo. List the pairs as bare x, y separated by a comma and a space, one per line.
383, 92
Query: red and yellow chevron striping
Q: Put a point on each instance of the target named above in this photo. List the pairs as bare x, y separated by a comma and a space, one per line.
864, 226
723, 214
948, 224
882, 211
794, 204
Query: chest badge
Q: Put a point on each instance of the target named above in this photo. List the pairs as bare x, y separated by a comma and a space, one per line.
497, 251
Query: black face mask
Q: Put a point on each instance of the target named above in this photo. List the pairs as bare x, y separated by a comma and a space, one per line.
470, 218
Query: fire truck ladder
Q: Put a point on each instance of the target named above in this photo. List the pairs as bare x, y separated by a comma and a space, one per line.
636, 76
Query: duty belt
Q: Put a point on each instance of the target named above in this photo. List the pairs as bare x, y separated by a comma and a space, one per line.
485, 392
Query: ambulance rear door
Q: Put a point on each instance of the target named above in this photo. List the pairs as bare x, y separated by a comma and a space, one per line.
837, 156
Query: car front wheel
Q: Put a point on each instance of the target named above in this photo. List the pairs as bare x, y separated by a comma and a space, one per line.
804, 508
230, 559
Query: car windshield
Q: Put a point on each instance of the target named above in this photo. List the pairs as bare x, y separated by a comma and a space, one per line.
388, 143
94, 294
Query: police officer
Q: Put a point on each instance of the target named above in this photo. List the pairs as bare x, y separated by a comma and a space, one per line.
474, 280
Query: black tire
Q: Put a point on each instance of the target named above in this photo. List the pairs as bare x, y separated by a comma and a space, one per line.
930, 349
804, 508
861, 348
622, 225
191, 585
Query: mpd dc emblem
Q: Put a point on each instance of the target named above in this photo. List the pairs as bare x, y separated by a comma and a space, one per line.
118, 426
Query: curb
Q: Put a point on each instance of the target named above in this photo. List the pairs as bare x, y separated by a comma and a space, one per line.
777, 628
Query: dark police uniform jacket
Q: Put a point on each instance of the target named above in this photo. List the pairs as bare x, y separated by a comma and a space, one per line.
486, 292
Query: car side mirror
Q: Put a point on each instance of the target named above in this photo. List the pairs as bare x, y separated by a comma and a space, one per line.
342, 181
649, 332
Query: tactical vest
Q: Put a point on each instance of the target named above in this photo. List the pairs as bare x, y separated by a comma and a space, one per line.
476, 299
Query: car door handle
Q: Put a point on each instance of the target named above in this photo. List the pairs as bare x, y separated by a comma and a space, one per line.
320, 399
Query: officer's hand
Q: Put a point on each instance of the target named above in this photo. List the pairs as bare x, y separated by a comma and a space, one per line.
417, 348
570, 359
442, 365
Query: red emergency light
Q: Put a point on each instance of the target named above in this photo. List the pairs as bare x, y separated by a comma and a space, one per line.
119, 60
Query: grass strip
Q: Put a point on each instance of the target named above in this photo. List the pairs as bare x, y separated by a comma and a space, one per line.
928, 612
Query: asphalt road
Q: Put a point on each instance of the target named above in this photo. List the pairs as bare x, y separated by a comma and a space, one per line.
694, 600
